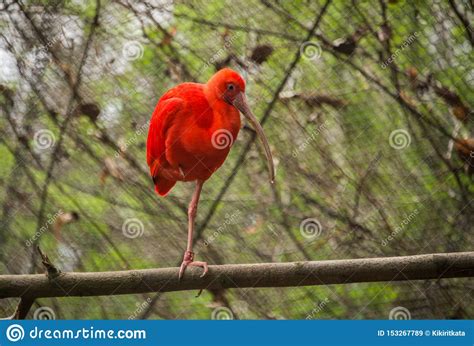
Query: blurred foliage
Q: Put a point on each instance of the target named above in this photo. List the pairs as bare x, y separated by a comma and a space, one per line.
363, 115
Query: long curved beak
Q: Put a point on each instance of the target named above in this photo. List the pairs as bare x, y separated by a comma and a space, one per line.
240, 103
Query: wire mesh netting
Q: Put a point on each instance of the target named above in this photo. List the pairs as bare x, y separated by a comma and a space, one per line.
367, 105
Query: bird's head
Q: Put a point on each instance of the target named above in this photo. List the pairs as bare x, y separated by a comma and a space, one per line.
229, 87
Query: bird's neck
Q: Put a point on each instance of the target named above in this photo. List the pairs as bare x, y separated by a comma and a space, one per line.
211, 93
227, 118
224, 115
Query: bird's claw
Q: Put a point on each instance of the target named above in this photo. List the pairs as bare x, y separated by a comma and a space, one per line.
188, 260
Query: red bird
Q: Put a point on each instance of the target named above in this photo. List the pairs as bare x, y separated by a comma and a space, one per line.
191, 131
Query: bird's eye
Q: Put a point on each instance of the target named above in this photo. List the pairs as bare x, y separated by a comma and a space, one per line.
230, 87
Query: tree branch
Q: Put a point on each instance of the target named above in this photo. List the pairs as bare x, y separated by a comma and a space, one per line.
418, 267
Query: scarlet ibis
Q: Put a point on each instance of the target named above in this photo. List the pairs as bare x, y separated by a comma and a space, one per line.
191, 131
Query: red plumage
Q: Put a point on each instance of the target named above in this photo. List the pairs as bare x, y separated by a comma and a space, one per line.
191, 132
184, 128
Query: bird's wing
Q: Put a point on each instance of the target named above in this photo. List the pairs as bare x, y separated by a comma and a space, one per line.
163, 117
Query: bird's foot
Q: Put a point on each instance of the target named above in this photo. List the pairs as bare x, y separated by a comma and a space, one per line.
188, 260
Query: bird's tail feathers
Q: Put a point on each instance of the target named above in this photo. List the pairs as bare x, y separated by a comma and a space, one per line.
163, 186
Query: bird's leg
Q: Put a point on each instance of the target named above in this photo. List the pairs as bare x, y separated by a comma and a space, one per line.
188, 258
